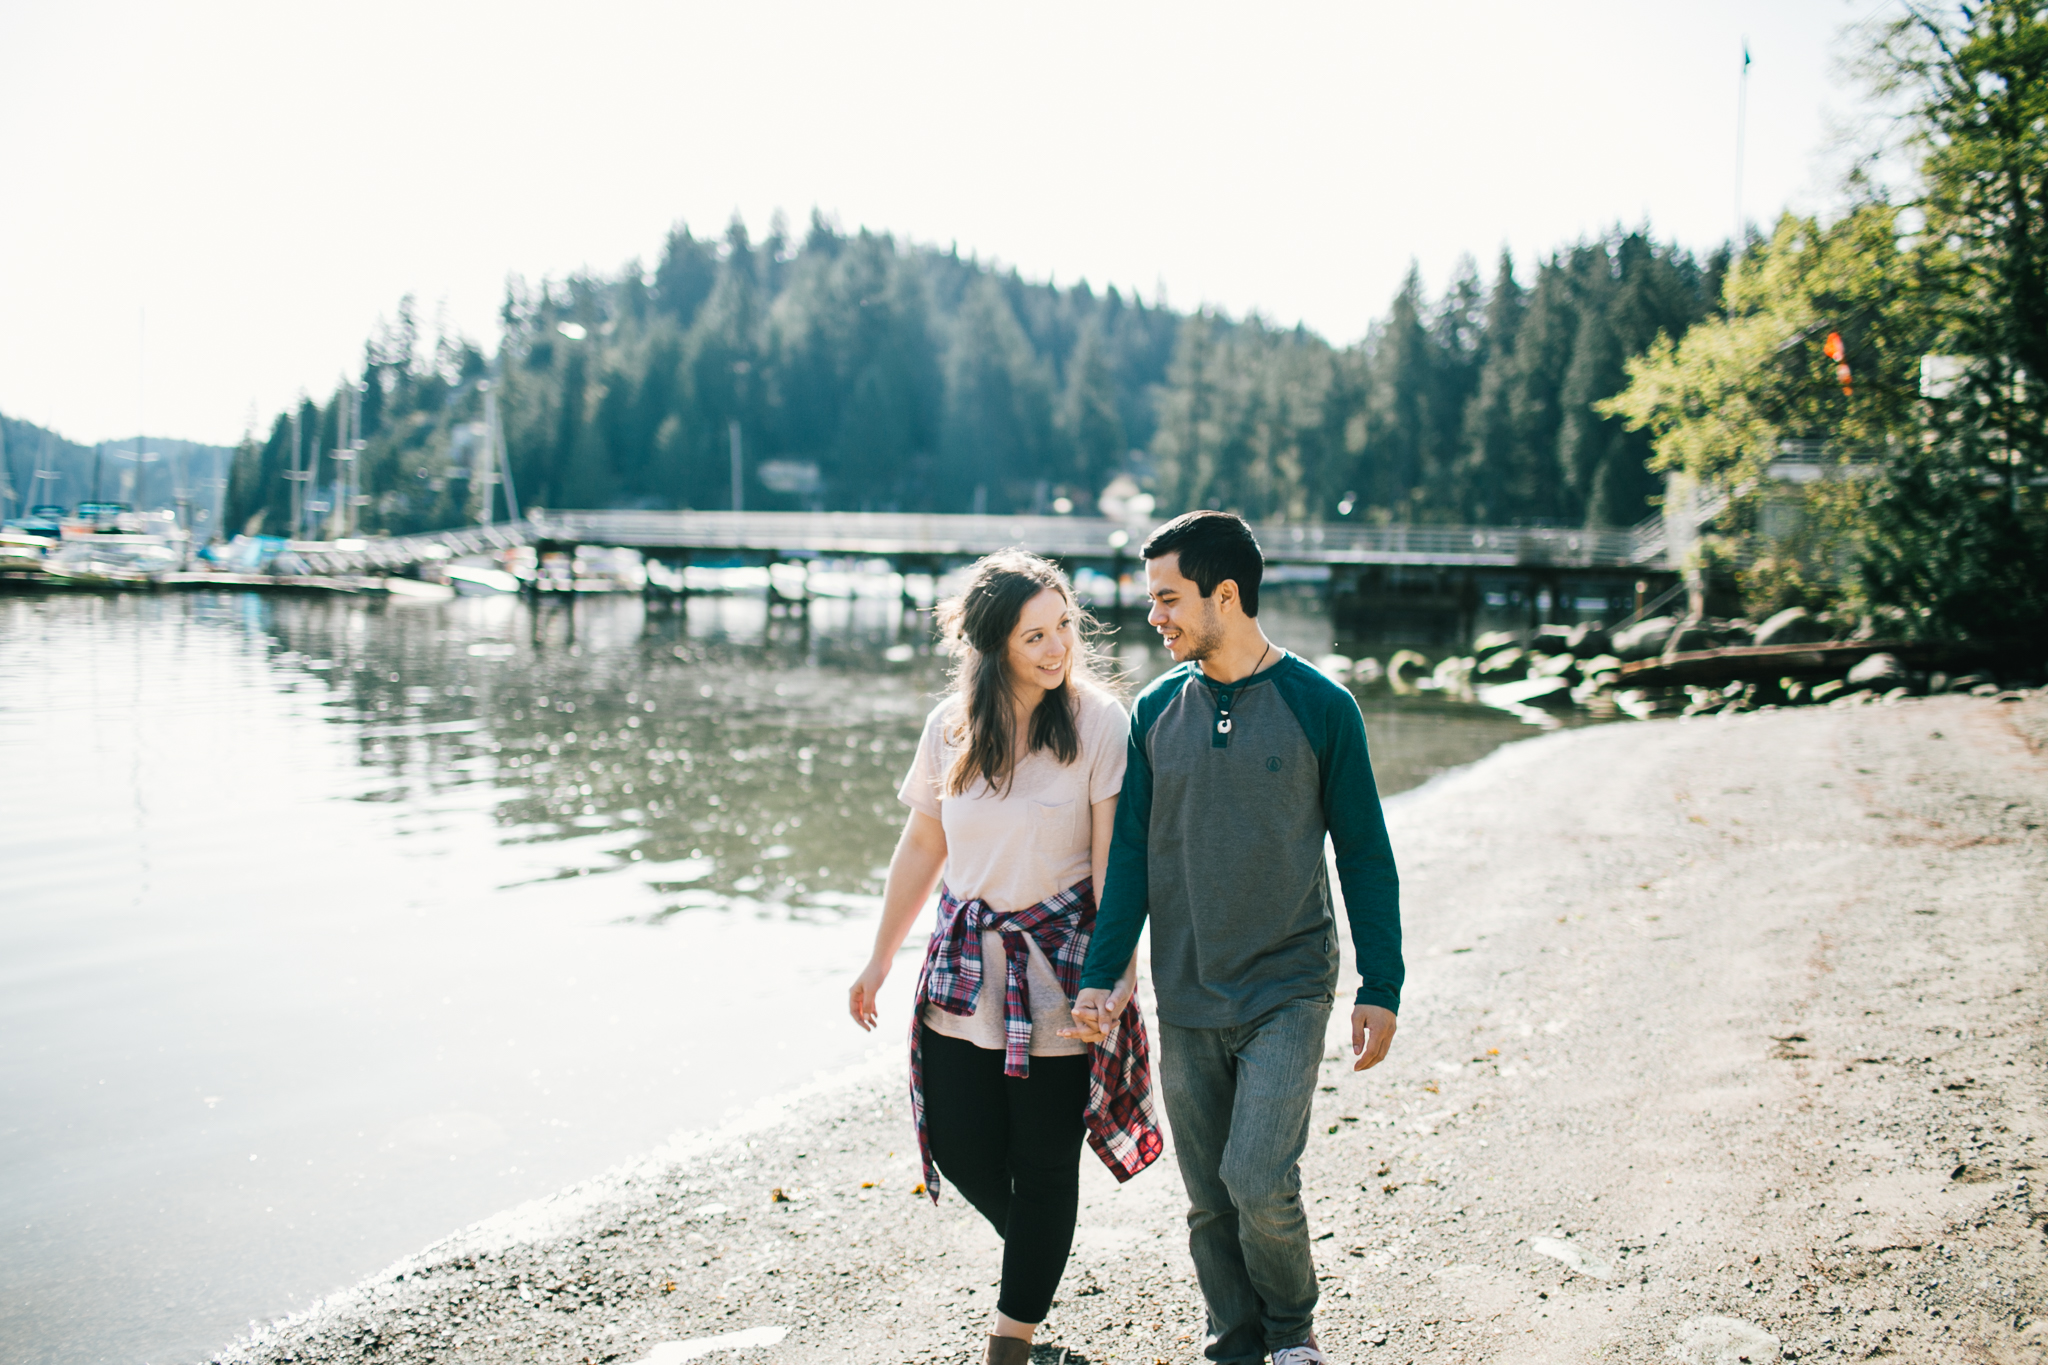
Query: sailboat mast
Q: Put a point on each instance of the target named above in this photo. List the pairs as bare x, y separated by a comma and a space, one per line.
337, 514
298, 497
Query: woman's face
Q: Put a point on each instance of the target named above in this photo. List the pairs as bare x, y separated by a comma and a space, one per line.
1042, 645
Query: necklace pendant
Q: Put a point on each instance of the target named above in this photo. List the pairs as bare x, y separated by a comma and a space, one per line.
1223, 726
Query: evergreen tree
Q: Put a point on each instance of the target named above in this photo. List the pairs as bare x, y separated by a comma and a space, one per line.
1185, 445
1089, 419
684, 278
998, 426
1584, 438
1488, 434
1458, 336
1400, 436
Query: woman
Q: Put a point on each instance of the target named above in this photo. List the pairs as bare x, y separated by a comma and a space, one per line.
1012, 795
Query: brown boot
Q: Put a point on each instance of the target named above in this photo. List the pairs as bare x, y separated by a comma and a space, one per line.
1007, 1351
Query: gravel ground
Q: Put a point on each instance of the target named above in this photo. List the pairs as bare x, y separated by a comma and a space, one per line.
1722, 1042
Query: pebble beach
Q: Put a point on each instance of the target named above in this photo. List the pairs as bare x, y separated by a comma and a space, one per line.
1722, 1041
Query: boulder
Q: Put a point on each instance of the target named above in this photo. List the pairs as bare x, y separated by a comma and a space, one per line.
1551, 639
1404, 668
1644, 639
1704, 701
1551, 665
1502, 666
1589, 640
1690, 637
1454, 676
1492, 642
1792, 626
1879, 672
1594, 691
1552, 694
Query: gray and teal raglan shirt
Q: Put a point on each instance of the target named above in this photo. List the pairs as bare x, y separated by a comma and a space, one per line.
1227, 796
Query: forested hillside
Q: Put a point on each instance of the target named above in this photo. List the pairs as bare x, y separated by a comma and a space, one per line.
71, 473
866, 374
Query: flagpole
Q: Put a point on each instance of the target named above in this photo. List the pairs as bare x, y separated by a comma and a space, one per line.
1741, 132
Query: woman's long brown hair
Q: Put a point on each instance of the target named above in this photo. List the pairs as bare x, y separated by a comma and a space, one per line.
978, 624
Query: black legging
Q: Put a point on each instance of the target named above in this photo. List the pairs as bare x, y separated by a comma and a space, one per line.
1012, 1146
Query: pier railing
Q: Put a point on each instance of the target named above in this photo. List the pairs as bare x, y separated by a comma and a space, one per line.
951, 536
901, 533
397, 552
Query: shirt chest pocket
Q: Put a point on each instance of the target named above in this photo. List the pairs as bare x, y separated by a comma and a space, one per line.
1054, 814
1054, 836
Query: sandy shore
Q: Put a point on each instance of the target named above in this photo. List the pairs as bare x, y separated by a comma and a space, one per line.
1723, 1039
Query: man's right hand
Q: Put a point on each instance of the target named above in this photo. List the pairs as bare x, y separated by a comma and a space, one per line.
1092, 1016
1372, 1033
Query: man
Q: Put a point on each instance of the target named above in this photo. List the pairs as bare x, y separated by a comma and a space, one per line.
1241, 760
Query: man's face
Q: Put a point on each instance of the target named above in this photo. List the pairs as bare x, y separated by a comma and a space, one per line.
1187, 622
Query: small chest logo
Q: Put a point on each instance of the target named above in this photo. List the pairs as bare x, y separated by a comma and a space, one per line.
1273, 764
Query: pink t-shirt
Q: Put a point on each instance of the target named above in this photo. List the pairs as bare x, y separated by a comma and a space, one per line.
1014, 849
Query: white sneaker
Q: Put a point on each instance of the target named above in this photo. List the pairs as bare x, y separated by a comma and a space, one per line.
1308, 1353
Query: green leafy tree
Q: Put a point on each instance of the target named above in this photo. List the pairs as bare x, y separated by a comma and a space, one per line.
1950, 535
1958, 542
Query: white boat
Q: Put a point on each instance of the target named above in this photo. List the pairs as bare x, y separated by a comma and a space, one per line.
471, 580
21, 552
415, 590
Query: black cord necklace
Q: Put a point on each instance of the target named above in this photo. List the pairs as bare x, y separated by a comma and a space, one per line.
1223, 697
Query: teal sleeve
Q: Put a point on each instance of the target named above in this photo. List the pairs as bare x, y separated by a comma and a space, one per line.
1121, 907
1358, 832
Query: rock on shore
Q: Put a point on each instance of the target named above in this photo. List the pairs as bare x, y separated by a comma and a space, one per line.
1723, 1039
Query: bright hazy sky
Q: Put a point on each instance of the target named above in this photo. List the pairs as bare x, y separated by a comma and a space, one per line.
210, 204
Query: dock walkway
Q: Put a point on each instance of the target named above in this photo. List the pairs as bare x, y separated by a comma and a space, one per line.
937, 536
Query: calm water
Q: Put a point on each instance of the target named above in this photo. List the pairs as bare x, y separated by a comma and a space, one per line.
329, 927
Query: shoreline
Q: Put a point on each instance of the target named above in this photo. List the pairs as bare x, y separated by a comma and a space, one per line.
1736, 1015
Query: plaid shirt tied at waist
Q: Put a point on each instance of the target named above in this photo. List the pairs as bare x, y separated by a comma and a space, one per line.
1122, 1126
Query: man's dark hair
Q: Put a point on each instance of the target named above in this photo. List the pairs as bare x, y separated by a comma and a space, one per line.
1213, 546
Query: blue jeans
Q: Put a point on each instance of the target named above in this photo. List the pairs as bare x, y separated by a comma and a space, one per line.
1238, 1099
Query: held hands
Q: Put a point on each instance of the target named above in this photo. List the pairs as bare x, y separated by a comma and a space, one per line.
1373, 1025
1096, 1009
860, 999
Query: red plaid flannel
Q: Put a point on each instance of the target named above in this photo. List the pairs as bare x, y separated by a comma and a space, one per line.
1122, 1126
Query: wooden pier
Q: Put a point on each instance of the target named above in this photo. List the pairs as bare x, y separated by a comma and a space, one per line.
937, 537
